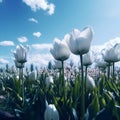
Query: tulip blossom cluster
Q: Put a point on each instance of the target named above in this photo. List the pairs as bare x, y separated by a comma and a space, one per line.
78, 42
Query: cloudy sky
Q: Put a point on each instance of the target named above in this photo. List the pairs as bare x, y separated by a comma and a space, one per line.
38, 22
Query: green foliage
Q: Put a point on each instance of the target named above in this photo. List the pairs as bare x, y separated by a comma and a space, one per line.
101, 103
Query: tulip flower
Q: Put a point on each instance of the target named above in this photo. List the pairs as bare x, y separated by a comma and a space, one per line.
20, 58
100, 63
21, 53
90, 83
49, 80
51, 113
60, 50
112, 55
79, 44
33, 75
74, 114
87, 60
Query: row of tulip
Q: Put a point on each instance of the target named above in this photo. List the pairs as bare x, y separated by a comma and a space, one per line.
47, 94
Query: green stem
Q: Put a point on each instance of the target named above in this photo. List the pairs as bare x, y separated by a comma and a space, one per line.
82, 86
22, 85
86, 67
113, 71
20, 80
99, 72
63, 82
108, 71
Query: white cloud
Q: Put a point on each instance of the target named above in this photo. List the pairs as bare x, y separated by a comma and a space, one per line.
41, 46
51, 9
37, 34
3, 61
22, 39
40, 4
7, 43
33, 20
40, 59
112, 42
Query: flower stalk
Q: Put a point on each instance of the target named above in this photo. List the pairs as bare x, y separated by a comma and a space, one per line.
63, 82
82, 92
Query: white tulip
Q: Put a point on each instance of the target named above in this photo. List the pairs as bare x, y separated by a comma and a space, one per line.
49, 80
60, 50
79, 42
87, 59
57, 75
112, 54
33, 75
90, 83
21, 53
51, 112
100, 62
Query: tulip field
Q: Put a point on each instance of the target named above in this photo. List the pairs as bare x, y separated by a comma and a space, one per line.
59, 91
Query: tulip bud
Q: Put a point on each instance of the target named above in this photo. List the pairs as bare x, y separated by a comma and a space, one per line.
33, 75
21, 53
87, 59
90, 83
60, 50
49, 80
51, 112
79, 42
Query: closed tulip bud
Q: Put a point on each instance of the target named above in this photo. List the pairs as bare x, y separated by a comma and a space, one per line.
33, 75
87, 59
21, 53
100, 62
57, 75
60, 50
90, 83
74, 114
112, 54
51, 112
79, 42
49, 80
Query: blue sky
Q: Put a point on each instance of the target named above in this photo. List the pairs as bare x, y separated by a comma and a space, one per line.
39, 22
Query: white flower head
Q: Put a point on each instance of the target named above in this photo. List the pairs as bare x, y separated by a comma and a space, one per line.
51, 112
49, 80
21, 53
112, 54
79, 42
60, 50
90, 83
100, 61
87, 59
33, 75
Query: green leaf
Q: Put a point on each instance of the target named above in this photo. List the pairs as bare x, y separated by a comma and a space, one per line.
94, 107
